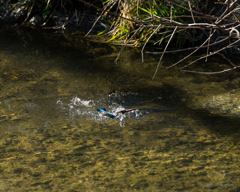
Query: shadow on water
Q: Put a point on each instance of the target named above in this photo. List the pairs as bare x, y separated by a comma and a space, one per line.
54, 139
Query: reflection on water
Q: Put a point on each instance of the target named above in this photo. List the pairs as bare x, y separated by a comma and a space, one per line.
54, 139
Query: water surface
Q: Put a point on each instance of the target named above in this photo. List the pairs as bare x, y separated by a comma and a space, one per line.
53, 138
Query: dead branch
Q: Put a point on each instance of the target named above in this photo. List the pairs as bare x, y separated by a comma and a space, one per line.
148, 40
210, 73
228, 60
218, 29
127, 43
192, 52
29, 12
190, 48
164, 52
211, 54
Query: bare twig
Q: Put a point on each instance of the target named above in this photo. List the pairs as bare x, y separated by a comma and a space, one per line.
213, 53
210, 25
164, 52
166, 36
191, 11
228, 60
49, 16
110, 3
190, 48
29, 12
211, 73
209, 42
192, 52
127, 42
227, 15
150, 7
148, 40
9, 9
226, 11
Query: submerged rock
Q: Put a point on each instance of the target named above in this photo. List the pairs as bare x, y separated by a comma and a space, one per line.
221, 104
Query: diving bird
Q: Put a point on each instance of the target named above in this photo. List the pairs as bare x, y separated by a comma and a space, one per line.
106, 113
111, 115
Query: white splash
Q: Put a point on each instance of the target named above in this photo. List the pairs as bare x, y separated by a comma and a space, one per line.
80, 102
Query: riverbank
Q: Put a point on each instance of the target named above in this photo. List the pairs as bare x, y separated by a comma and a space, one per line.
168, 26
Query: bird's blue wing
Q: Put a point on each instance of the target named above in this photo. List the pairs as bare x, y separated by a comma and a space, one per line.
110, 115
107, 114
102, 110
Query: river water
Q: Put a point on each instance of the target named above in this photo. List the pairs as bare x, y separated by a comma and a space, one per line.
54, 139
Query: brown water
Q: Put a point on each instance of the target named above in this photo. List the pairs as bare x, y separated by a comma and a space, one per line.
53, 139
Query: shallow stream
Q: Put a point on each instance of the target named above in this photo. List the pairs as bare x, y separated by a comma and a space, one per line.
54, 139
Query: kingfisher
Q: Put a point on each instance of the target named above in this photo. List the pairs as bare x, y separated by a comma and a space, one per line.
111, 115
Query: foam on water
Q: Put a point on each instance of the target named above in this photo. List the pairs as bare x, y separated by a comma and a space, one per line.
77, 108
